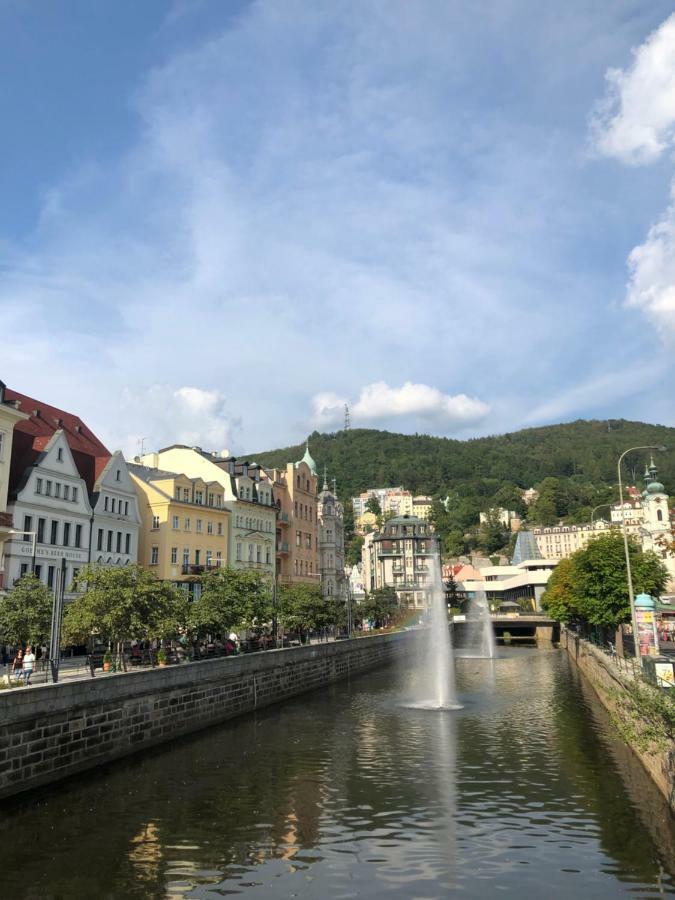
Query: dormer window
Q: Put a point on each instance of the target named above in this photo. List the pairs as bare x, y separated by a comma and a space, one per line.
59, 454
118, 475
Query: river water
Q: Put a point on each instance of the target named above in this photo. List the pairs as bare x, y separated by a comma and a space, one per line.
344, 793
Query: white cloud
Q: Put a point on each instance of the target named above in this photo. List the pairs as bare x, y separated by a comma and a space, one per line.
635, 122
379, 401
162, 414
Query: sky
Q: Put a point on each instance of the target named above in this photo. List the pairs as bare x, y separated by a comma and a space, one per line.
222, 221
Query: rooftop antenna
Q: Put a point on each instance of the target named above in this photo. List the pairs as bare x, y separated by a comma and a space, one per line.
141, 446
348, 424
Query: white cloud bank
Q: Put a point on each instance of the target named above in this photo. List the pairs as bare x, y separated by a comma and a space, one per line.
379, 401
635, 124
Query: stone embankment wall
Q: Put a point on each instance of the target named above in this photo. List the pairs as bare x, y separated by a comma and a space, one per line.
607, 680
50, 732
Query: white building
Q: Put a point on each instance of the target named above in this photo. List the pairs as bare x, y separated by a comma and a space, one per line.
51, 502
331, 544
114, 537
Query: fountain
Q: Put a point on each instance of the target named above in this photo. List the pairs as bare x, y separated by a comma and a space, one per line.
434, 683
480, 640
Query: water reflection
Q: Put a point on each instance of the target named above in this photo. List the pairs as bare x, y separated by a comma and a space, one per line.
345, 793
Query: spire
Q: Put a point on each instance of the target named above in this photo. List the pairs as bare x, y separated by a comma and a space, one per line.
307, 458
325, 478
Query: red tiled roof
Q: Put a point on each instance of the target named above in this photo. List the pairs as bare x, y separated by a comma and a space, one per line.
32, 435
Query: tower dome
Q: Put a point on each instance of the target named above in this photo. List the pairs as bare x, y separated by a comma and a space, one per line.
307, 458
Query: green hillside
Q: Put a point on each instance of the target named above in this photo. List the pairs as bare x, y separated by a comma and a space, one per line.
585, 451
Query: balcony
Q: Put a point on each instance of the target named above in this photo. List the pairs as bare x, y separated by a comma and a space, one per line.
390, 552
283, 519
282, 547
193, 570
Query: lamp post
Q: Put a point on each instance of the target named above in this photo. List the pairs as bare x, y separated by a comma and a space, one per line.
599, 506
629, 574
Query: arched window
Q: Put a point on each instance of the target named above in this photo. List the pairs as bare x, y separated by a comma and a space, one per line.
659, 515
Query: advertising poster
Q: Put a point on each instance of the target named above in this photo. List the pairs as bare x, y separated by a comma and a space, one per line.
646, 622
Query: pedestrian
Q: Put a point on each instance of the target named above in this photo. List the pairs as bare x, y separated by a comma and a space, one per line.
17, 665
28, 664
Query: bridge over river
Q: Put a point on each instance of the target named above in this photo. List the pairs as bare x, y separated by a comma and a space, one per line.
518, 628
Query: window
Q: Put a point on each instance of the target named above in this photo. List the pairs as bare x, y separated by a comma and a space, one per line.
23, 570
119, 542
250, 552
199, 498
219, 558
127, 544
267, 555
659, 515
209, 558
59, 454
154, 556
258, 553
187, 524
298, 538
174, 555
38, 572
238, 552
66, 492
78, 535
109, 544
209, 527
177, 493
197, 555
241, 493
210, 499
186, 495
99, 540
112, 505
329, 534
48, 488
66, 534
155, 523
38, 485
308, 541
74, 495
41, 531
126, 507
220, 528
57, 489
199, 526
219, 500
186, 556
54, 533
175, 524
50, 576
27, 526
118, 475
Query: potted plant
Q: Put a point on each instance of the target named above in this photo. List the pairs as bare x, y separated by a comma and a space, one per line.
107, 661
162, 658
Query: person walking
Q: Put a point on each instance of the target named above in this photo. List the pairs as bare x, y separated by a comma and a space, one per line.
28, 664
17, 665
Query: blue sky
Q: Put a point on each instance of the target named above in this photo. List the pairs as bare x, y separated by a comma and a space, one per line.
219, 222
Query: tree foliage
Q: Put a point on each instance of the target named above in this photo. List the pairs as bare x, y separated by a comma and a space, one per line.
26, 612
122, 603
231, 599
592, 584
302, 608
379, 606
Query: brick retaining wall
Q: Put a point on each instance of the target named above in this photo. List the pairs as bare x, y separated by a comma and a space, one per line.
52, 731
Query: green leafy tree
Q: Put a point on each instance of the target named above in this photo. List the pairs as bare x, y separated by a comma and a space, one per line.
26, 612
454, 543
492, 535
120, 604
592, 585
231, 599
373, 506
380, 606
303, 609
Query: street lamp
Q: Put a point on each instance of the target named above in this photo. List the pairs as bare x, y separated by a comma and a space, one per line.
629, 574
33, 547
599, 506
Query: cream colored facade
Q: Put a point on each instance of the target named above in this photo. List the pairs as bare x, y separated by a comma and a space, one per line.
9, 416
560, 541
401, 556
185, 526
247, 495
396, 501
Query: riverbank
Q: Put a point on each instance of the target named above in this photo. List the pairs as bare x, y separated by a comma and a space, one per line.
616, 690
50, 732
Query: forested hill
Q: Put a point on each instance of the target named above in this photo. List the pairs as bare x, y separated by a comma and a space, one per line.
583, 451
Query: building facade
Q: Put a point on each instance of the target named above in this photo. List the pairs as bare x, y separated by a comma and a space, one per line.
9, 416
402, 556
246, 494
331, 545
184, 525
295, 490
116, 522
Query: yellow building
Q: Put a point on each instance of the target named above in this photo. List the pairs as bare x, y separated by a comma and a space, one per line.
184, 525
366, 522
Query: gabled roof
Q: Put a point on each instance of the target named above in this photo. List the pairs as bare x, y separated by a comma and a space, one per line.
32, 435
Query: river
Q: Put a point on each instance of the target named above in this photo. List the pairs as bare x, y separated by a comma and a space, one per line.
345, 793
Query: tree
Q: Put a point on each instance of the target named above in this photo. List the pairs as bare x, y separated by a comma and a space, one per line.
592, 585
492, 535
373, 506
302, 608
454, 544
26, 612
231, 599
123, 603
379, 606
